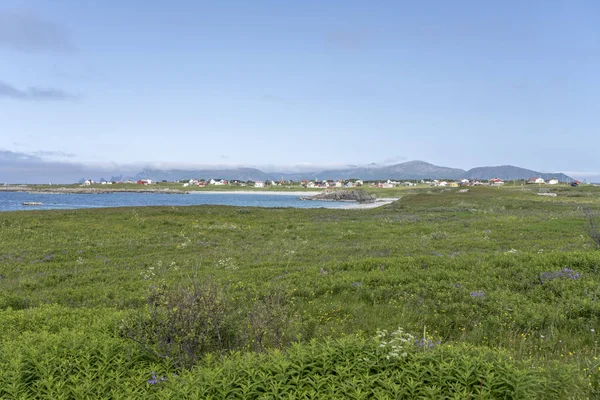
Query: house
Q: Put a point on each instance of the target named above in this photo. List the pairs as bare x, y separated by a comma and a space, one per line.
218, 182
349, 184
144, 182
442, 183
453, 184
496, 182
536, 180
310, 184
465, 181
202, 183
88, 182
553, 181
358, 183
259, 184
339, 184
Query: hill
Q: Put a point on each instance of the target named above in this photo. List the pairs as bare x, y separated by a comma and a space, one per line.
406, 170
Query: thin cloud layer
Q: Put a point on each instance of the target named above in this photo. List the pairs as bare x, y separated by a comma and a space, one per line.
35, 93
28, 32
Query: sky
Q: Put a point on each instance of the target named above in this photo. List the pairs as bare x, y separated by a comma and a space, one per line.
301, 83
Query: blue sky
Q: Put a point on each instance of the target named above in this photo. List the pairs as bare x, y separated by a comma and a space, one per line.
283, 83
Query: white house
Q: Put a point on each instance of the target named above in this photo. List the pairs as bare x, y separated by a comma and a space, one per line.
553, 181
339, 184
259, 184
88, 182
310, 184
536, 180
218, 182
496, 182
442, 183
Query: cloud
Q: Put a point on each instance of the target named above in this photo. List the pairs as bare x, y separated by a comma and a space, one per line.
17, 156
584, 176
28, 32
20, 167
47, 153
35, 93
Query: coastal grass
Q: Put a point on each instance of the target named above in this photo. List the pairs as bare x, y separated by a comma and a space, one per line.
497, 293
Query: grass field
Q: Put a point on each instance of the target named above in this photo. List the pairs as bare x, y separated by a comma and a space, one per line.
489, 294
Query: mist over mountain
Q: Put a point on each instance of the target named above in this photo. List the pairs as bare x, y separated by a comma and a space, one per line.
405, 170
509, 172
243, 174
18, 167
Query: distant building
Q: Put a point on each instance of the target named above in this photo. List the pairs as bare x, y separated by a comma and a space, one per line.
536, 180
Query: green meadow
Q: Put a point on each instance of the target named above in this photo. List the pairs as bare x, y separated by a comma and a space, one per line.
489, 294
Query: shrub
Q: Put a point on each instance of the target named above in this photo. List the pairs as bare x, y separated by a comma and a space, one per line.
182, 324
592, 228
186, 322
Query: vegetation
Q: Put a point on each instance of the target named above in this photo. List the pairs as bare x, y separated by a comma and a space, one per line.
485, 294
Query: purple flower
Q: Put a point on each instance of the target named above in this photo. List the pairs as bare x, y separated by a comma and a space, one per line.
567, 273
155, 380
478, 293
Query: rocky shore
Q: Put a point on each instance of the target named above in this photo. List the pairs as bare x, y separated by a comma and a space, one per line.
84, 190
357, 195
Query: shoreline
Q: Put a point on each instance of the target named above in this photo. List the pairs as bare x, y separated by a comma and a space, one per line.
350, 204
367, 206
261, 192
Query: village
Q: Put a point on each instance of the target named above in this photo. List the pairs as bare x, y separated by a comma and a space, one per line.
349, 183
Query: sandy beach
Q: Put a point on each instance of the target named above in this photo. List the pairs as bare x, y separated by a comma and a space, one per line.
263, 192
351, 205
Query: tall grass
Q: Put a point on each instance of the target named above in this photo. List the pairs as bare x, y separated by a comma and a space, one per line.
500, 289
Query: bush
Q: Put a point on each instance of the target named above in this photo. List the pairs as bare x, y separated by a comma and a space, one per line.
182, 324
186, 322
592, 228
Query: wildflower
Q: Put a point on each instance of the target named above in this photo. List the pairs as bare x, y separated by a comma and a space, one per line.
156, 380
563, 273
478, 293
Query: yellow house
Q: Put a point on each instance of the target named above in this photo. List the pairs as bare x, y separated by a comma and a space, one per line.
453, 184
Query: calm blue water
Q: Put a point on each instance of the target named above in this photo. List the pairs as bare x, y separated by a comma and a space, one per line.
11, 201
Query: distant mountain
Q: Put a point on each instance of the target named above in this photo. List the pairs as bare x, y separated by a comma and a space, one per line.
243, 174
509, 172
406, 170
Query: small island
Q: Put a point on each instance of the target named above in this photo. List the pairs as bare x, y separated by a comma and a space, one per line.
357, 195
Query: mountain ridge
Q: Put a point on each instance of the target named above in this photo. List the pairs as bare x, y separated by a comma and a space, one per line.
415, 169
